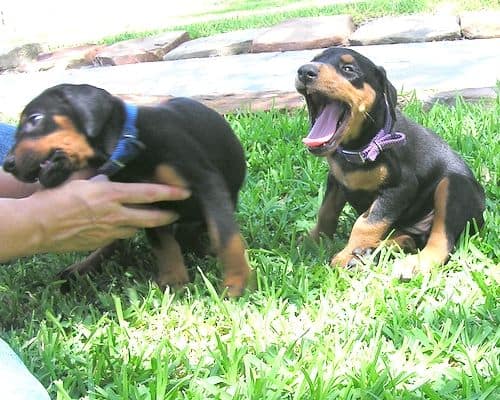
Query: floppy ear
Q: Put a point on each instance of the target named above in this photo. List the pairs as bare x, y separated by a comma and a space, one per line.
390, 92
93, 106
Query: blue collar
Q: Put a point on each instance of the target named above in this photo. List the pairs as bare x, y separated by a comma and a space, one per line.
128, 146
384, 139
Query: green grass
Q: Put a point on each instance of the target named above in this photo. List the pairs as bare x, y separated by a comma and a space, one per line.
255, 5
307, 331
360, 11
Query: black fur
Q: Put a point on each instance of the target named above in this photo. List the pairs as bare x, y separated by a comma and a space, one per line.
414, 170
189, 138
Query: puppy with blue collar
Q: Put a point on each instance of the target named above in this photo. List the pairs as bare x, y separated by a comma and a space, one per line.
183, 143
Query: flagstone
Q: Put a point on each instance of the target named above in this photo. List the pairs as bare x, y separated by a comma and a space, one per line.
147, 49
224, 44
73, 57
406, 29
305, 33
480, 24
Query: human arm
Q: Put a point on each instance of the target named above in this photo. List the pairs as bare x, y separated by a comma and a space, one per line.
81, 215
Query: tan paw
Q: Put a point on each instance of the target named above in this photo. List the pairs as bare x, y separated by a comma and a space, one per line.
410, 266
175, 281
341, 259
235, 285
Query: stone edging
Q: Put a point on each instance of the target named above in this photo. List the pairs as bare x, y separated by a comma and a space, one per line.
296, 34
283, 100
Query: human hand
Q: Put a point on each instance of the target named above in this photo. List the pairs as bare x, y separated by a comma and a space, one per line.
11, 187
85, 215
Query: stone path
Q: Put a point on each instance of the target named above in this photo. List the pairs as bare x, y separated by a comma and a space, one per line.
243, 79
91, 20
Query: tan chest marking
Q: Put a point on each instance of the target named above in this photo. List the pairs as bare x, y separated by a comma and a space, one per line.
363, 179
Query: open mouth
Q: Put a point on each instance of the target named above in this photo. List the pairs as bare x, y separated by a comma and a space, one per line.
329, 118
54, 156
46, 165
55, 169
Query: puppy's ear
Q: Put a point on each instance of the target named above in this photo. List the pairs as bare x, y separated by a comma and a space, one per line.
93, 106
390, 92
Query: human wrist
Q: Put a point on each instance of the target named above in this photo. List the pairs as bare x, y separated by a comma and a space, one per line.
20, 233
32, 221
46, 218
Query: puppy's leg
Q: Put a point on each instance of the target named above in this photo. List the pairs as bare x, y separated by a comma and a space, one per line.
366, 233
225, 236
457, 200
372, 226
91, 263
398, 239
192, 237
328, 215
171, 268
402, 240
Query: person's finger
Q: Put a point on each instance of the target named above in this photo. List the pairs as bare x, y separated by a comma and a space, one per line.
147, 218
140, 193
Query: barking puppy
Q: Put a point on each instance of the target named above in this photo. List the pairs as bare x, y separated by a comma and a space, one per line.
401, 178
182, 142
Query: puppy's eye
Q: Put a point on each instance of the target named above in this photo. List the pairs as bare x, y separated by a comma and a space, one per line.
32, 121
35, 118
347, 68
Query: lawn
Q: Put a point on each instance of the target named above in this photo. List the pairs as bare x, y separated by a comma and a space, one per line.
258, 14
306, 331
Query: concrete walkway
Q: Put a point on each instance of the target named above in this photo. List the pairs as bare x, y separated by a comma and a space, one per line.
423, 67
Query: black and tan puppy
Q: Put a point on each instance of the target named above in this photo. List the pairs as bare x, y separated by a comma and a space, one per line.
400, 177
182, 142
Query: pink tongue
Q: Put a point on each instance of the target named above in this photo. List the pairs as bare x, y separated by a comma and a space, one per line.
324, 127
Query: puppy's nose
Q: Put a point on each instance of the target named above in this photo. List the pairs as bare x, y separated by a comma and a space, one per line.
9, 164
308, 72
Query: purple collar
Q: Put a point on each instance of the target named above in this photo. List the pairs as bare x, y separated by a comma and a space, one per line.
384, 139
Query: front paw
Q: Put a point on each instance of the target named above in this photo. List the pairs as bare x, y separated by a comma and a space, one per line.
410, 266
342, 259
175, 280
361, 254
351, 259
234, 286
314, 235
